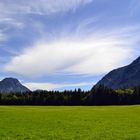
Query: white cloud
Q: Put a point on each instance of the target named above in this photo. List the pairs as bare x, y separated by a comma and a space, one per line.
96, 54
52, 86
40, 6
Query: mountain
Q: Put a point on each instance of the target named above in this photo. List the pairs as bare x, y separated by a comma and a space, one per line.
125, 77
12, 85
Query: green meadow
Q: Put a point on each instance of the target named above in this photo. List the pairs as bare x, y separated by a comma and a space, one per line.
69, 123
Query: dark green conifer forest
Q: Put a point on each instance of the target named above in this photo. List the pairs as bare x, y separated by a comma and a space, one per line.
100, 95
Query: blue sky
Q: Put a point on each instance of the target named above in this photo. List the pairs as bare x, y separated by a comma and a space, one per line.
65, 44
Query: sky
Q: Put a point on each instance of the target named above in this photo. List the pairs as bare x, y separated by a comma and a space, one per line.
67, 44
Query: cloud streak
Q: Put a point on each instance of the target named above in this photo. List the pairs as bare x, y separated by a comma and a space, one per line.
40, 7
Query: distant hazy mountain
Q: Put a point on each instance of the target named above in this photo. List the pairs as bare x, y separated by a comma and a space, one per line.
125, 77
12, 85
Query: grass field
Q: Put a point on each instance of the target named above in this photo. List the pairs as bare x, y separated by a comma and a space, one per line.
69, 123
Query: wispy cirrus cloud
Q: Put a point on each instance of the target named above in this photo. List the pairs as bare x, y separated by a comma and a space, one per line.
96, 54
40, 7
15, 14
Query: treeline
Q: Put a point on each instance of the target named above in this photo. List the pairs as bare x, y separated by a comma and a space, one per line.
100, 95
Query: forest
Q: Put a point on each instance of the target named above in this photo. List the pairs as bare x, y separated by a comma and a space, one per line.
100, 95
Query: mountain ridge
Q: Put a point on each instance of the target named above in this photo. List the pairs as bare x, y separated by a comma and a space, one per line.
10, 84
123, 77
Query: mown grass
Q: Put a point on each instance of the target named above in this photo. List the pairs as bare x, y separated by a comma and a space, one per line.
69, 123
